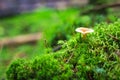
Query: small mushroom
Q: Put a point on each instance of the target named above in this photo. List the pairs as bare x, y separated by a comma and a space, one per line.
84, 31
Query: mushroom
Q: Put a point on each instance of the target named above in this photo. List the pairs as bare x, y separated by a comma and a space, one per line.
84, 31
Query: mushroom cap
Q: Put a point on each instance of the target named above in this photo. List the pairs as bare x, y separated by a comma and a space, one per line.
84, 30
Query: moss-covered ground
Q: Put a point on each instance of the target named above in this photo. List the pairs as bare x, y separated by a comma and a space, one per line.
95, 57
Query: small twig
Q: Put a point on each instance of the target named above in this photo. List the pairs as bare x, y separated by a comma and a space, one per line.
57, 48
97, 8
20, 39
69, 58
90, 77
117, 52
115, 38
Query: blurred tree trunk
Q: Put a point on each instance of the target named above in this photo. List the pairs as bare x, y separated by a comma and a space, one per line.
11, 7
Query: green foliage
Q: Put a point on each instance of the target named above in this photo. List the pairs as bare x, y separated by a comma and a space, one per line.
83, 59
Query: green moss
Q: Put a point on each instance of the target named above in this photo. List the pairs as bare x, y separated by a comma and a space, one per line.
83, 59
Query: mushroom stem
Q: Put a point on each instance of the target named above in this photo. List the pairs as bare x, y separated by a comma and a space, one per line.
84, 36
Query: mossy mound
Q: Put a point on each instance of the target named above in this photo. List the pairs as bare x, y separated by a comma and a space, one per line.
93, 58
